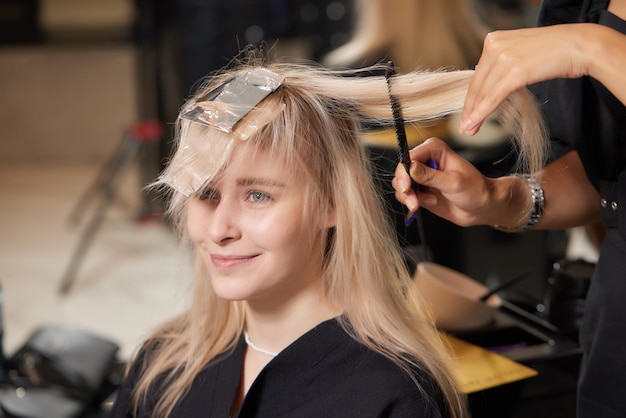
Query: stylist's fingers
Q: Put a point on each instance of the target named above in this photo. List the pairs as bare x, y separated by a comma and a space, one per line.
475, 88
511, 60
422, 174
488, 101
432, 149
404, 193
487, 88
483, 72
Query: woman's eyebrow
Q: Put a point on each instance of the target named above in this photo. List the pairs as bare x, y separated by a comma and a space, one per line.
260, 181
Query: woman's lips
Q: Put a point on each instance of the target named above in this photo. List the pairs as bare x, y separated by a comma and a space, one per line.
228, 261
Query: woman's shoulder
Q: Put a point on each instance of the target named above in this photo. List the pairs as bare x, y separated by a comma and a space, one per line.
399, 376
375, 380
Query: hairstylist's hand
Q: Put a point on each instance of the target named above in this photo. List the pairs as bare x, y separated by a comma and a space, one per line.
513, 59
456, 191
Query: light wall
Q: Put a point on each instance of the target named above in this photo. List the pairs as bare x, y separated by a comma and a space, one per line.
65, 103
85, 14
69, 98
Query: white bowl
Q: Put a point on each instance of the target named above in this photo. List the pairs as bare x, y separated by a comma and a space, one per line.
454, 298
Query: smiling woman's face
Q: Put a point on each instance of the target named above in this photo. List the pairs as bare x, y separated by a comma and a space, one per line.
249, 231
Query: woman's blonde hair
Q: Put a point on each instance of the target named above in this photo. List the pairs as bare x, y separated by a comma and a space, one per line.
316, 133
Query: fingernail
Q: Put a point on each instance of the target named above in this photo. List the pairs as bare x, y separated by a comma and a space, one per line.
406, 185
412, 206
465, 125
432, 164
409, 218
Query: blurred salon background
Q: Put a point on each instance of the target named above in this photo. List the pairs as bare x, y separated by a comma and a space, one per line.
89, 90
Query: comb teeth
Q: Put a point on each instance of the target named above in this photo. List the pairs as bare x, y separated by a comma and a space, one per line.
396, 110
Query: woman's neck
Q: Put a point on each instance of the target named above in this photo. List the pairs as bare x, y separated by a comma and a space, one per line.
618, 8
270, 331
275, 329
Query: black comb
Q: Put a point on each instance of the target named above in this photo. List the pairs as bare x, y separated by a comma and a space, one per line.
396, 110
403, 151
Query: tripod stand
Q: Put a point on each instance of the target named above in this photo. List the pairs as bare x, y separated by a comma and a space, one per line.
158, 101
137, 138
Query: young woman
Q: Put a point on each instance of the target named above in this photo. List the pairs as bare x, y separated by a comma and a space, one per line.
302, 305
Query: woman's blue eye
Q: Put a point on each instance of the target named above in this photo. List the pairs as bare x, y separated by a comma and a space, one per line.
258, 197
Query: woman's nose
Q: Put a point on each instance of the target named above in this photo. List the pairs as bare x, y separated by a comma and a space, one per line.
223, 222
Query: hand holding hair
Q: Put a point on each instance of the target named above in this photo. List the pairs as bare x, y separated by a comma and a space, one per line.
513, 59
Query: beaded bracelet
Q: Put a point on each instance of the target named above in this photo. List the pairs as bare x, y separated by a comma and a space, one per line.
536, 210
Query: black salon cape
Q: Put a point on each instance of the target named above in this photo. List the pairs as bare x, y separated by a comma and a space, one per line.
583, 115
323, 374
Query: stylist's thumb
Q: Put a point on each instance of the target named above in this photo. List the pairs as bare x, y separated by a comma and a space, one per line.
420, 173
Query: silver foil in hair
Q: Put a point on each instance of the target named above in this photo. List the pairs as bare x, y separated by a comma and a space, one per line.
227, 104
